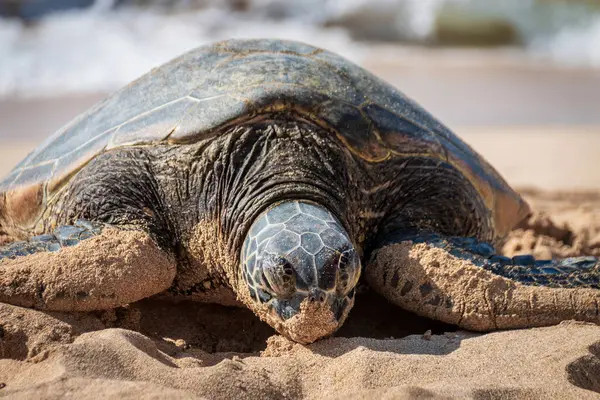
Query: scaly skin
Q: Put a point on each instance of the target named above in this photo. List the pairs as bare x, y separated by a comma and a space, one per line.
61, 237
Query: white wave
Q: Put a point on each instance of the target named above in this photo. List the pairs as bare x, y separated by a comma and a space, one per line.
575, 46
396, 19
101, 49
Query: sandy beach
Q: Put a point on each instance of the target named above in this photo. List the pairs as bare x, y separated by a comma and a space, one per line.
159, 349
156, 349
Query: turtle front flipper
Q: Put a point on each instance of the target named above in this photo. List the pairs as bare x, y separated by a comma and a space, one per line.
83, 267
63, 236
462, 281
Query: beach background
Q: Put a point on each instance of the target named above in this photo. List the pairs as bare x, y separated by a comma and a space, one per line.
518, 80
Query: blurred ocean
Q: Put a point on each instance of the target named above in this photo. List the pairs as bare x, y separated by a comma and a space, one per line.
108, 43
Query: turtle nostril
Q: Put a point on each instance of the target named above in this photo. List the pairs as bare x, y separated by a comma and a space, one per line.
316, 295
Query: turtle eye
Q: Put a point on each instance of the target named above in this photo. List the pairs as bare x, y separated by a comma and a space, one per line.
278, 275
349, 271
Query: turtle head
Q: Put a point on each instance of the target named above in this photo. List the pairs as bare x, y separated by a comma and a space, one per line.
301, 270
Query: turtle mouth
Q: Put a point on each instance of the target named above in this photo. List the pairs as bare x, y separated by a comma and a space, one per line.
309, 316
287, 308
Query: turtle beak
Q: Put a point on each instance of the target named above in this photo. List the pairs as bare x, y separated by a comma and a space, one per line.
287, 308
306, 317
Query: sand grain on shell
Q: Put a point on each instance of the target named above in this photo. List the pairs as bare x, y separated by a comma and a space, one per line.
48, 354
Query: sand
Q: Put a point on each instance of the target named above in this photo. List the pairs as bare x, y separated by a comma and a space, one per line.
560, 362
157, 348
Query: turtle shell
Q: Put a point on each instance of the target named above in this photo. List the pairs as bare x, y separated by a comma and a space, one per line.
194, 97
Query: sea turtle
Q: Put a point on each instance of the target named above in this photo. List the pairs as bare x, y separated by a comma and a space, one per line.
273, 171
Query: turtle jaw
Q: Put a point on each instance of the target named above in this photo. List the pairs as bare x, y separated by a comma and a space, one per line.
307, 318
304, 317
